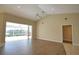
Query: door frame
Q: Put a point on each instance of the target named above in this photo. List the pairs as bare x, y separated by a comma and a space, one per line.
63, 33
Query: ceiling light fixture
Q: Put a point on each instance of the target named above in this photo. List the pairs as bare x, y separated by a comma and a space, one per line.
18, 6
41, 15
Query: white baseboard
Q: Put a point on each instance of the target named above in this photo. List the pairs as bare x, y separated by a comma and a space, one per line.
52, 40
2, 44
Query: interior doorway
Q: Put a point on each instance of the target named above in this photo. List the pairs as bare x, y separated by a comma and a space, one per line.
67, 33
16, 31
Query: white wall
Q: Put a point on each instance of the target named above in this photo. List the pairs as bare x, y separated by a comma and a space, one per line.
51, 29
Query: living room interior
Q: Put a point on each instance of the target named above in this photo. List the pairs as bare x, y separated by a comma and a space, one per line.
54, 29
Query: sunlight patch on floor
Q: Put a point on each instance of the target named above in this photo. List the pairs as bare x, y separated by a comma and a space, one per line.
15, 38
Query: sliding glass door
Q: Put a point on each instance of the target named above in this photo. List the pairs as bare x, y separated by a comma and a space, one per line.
16, 31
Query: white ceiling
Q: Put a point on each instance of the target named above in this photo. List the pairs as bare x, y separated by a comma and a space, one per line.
31, 10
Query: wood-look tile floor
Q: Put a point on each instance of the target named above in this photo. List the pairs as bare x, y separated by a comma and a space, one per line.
32, 47
70, 49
